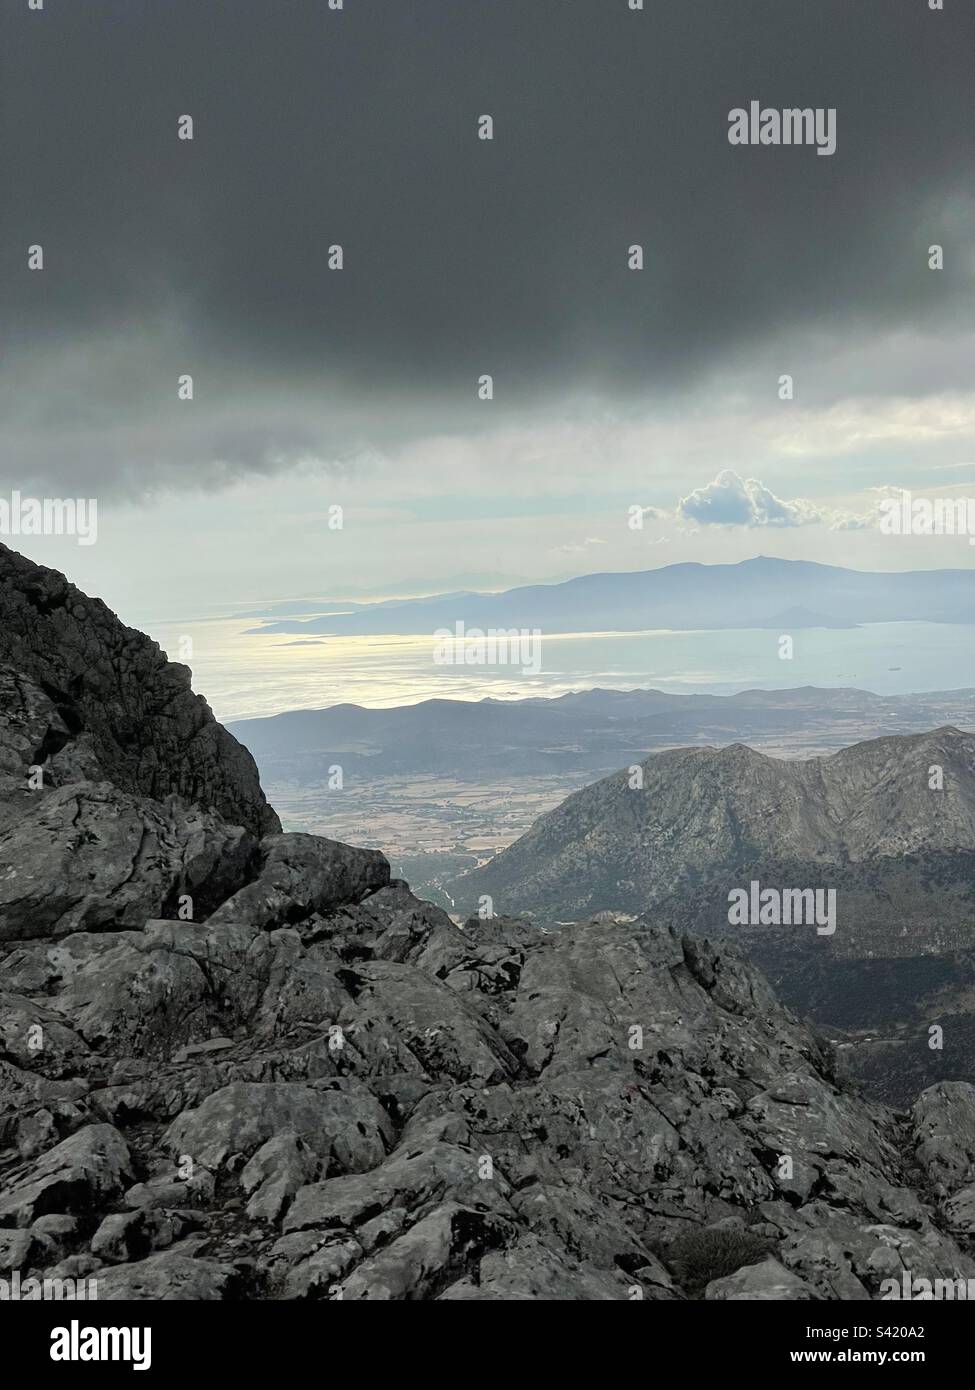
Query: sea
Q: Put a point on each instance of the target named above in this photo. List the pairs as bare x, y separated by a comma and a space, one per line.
243, 674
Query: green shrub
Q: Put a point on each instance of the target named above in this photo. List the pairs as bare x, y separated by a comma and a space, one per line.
699, 1256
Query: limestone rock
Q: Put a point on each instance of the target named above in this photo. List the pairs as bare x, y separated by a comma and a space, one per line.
164, 1277
85, 1170
944, 1133
302, 874
87, 856
768, 1281
148, 732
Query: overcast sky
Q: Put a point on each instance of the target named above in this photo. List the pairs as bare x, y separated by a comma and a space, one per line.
613, 388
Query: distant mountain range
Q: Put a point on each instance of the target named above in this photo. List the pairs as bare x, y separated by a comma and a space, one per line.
593, 731
762, 592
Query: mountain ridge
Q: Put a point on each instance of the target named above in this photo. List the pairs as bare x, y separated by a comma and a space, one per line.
602, 728
818, 798
683, 596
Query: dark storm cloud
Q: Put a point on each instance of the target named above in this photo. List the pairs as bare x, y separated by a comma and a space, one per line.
359, 127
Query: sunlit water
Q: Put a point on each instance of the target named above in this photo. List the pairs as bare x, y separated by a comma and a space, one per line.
245, 675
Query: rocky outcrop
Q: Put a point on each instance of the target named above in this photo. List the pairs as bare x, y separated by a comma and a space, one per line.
250, 1066
86, 856
944, 1135
373, 1103
112, 691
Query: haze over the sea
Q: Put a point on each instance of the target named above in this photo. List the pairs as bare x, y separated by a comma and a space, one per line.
243, 676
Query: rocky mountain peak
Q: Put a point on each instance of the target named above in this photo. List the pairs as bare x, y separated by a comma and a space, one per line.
110, 691
695, 814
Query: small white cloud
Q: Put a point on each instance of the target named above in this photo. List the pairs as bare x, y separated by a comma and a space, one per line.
731, 500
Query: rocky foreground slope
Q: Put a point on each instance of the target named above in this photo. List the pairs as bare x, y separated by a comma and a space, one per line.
244, 1064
